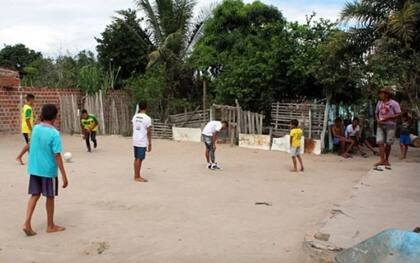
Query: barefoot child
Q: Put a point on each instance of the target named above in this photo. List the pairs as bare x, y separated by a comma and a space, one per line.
405, 134
89, 126
210, 134
142, 139
44, 158
295, 138
27, 119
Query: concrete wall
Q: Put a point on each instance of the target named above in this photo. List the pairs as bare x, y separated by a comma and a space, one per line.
186, 134
283, 144
254, 141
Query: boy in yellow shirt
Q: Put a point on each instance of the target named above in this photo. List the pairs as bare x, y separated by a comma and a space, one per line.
27, 123
89, 126
295, 138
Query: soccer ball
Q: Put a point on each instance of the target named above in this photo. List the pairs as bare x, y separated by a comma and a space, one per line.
67, 156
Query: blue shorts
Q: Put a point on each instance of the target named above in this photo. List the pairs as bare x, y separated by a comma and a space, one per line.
405, 139
46, 186
140, 153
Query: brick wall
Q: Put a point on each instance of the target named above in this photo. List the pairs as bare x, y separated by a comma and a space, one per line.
12, 97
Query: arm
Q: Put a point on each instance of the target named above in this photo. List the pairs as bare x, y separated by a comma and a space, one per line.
291, 140
214, 139
28, 123
149, 138
96, 123
60, 165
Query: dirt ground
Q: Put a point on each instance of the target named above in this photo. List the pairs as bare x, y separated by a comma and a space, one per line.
186, 213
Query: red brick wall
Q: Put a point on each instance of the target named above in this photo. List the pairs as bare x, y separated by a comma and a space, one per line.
12, 96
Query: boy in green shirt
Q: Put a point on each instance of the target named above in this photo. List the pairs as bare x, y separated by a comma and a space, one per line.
27, 123
89, 126
295, 138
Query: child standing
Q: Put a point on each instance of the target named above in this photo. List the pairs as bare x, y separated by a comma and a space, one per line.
44, 158
27, 119
405, 135
295, 138
142, 139
89, 126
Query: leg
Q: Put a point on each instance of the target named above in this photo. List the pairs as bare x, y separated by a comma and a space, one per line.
87, 139
212, 154
24, 150
405, 150
382, 154
206, 154
402, 150
51, 227
387, 153
380, 139
294, 164
27, 227
390, 137
370, 147
139, 155
93, 138
351, 144
342, 150
300, 162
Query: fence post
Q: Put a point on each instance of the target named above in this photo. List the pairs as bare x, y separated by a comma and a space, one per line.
238, 118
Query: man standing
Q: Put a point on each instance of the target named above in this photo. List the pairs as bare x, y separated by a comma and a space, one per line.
210, 134
387, 112
89, 126
142, 139
27, 119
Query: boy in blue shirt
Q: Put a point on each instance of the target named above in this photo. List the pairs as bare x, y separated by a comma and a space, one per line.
44, 158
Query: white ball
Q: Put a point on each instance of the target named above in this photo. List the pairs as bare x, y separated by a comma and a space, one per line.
67, 156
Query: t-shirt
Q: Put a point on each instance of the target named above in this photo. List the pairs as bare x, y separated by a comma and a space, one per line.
212, 127
141, 122
296, 135
27, 114
385, 109
45, 144
352, 131
90, 123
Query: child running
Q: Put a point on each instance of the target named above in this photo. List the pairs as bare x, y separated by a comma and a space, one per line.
27, 119
295, 138
142, 139
405, 135
44, 158
89, 126
210, 134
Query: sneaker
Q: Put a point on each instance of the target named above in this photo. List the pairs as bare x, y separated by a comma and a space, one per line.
209, 166
215, 166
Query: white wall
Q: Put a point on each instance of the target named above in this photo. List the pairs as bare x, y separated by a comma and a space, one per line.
254, 141
186, 134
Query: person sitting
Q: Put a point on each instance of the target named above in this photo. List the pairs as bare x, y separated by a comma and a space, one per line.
353, 134
339, 138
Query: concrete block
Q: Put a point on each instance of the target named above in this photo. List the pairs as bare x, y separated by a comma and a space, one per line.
186, 134
283, 144
254, 141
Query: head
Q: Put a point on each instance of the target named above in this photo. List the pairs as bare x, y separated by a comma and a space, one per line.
142, 106
355, 122
225, 125
30, 99
84, 114
294, 123
338, 121
405, 116
384, 94
49, 113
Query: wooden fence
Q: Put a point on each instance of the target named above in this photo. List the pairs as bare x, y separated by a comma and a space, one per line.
69, 114
310, 116
192, 119
161, 130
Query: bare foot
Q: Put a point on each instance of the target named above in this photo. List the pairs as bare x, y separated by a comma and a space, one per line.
345, 155
55, 228
20, 161
140, 179
294, 170
301, 169
28, 231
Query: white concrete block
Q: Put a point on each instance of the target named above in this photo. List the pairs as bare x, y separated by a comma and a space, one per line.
283, 144
254, 141
186, 134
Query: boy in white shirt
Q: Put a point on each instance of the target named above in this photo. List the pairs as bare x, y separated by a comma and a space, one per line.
210, 134
142, 139
353, 133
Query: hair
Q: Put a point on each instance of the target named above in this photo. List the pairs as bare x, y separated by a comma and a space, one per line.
49, 112
84, 111
294, 122
225, 123
30, 96
356, 119
338, 119
142, 105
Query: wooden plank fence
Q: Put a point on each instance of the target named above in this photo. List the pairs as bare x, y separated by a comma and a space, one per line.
69, 114
192, 119
310, 116
161, 130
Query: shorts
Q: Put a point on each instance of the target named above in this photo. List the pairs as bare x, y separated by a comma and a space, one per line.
208, 141
295, 151
385, 134
405, 139
26, 137
140, 153
46, 186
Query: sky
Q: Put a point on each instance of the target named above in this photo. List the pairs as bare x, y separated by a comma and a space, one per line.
61, 27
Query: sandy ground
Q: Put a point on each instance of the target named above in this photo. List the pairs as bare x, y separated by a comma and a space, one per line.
186, 213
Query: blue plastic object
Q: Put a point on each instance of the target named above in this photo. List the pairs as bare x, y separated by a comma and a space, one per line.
389, 246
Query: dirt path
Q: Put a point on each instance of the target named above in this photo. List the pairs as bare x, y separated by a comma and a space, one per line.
184, 214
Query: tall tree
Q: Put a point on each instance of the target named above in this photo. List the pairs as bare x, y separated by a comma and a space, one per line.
18, 57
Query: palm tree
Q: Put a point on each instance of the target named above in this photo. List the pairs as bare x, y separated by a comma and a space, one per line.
172, 32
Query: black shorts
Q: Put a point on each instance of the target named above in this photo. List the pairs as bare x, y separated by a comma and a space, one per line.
140, 153
26, 136
46, 186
